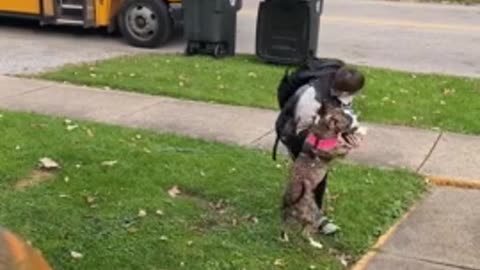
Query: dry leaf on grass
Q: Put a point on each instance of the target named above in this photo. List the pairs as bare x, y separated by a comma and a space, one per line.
48, 164
142, 213
90, 199
279, 262
163, 238
76, 255
71, 127
109, 163
174, 192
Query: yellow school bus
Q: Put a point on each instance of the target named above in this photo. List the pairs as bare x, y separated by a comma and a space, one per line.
143, 23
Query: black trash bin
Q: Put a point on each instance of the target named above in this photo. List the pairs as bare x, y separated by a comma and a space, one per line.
210, 26
287, 30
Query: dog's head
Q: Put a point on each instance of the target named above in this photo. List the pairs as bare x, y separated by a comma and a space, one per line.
332, 121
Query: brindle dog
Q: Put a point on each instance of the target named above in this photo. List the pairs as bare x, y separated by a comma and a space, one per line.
321, 146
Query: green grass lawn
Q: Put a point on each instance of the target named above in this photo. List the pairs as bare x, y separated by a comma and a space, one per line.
390, 97
227, 216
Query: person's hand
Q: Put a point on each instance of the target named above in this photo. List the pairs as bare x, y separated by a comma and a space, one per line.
352, 140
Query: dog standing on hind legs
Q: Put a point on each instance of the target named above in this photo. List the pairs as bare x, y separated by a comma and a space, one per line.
320, 147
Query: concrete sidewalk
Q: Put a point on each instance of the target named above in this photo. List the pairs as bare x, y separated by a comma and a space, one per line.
442, 233
427, 152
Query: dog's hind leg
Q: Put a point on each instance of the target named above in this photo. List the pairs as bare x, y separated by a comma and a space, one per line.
307, 233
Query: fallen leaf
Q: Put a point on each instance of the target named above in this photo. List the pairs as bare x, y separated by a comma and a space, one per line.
132, 230
174, 192
72, 127
109, 163
76, 255
343, 259
90, 199
163, 238
448, 91
142, 213
48, 164
279, 262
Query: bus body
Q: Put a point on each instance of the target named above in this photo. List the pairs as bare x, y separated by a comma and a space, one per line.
143, 23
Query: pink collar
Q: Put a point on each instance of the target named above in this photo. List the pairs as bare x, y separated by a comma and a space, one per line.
324, 145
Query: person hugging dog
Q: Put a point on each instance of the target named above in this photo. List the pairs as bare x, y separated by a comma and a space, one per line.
301, 95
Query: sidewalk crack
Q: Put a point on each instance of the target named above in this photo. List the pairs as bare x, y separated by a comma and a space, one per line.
132, 113
261, 137
40, 88
429, 154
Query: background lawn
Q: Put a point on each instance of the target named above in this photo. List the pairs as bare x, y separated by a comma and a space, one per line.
390, 97
227, 216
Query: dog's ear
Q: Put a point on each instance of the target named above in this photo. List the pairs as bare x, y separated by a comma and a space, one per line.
323, 110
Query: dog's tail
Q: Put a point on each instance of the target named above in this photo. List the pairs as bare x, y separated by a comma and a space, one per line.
275, 147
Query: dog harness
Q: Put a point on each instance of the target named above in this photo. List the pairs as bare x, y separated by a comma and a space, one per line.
324, 145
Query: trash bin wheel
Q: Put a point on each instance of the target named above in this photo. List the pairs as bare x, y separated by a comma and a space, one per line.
218, 50
145, 23
192, 48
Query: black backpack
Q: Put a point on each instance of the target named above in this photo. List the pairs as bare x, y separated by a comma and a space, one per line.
313, 69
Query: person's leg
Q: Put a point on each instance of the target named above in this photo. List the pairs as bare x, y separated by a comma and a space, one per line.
326, 226
320, 191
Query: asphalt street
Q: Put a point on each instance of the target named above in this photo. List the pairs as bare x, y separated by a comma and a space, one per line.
406, 36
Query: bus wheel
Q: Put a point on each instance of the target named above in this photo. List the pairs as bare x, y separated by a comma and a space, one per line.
145, 23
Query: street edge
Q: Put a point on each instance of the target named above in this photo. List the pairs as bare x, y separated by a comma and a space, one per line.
453, 182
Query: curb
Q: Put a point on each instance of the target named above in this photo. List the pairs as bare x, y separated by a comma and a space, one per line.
453, 182
365, 260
